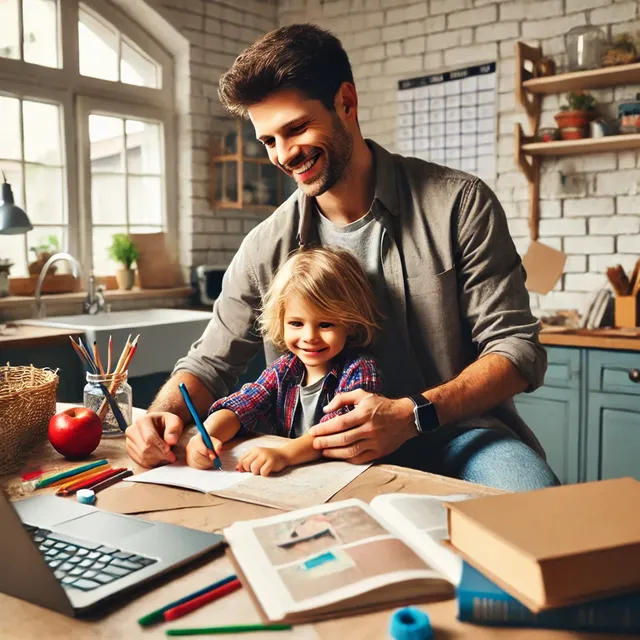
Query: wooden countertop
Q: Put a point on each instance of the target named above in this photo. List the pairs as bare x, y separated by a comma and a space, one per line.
621, 339
23, 335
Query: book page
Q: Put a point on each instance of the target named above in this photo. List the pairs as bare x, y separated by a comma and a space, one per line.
422, 521
293, 488
311, 558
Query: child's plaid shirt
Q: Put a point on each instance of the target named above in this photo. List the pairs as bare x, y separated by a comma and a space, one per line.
268, 405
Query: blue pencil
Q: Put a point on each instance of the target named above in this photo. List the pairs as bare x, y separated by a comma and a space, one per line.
196, 418
158, 614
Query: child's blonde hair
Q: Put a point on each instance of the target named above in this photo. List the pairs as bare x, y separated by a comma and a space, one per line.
332, 281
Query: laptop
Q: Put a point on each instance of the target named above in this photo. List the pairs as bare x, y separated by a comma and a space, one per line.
70, 557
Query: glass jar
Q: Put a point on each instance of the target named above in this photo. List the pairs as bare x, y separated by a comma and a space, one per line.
585, 46
95, 400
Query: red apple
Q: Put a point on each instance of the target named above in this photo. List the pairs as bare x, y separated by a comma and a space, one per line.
75, 432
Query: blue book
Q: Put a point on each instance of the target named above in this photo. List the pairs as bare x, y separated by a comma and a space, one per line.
480, 601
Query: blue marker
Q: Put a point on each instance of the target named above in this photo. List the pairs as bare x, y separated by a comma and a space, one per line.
196, 418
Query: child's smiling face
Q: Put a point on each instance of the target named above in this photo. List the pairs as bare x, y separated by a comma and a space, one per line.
315, 339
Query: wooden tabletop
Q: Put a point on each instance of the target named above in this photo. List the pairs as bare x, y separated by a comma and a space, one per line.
21, 620
615, 339
24, 335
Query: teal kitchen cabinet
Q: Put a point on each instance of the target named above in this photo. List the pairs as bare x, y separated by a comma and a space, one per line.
554, 411
613, 415
587, 413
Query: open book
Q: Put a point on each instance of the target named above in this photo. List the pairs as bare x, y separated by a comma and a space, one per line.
347, 557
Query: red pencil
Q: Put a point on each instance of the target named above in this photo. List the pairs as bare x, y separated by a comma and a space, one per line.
89, 482
205, 598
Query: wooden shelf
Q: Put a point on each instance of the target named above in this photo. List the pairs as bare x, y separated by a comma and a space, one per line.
234, 157
587, 145
529, 92
585, 80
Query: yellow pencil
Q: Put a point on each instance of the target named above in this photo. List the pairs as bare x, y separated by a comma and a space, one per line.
80, 476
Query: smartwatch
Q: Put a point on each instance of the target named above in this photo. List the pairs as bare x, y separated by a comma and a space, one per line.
425, 414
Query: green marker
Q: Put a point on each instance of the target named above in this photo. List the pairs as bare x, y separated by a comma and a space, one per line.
236, 628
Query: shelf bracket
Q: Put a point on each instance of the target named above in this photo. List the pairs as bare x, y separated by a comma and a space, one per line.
531, 103
530, 166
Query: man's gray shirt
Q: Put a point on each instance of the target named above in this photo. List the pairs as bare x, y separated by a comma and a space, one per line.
454, 280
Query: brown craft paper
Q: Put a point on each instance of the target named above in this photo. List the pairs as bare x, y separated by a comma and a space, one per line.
544, 266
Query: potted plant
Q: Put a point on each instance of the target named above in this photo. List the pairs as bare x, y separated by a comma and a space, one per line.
575, 116
5, 266
123, 250
43, 251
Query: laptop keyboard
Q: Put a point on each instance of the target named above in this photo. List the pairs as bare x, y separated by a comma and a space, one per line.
80, 564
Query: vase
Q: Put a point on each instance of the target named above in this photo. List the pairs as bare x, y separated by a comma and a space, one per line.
125, 278
574, 125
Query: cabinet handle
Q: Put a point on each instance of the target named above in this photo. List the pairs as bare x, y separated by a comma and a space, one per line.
634, 375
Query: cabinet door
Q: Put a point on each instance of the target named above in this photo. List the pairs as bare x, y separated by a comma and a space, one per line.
554, 416
613, 436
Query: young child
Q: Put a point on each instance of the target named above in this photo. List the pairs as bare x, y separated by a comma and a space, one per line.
320, 309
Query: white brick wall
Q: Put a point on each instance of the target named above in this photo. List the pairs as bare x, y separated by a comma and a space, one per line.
590, 205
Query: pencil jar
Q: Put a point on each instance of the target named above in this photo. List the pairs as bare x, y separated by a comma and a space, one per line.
94, 398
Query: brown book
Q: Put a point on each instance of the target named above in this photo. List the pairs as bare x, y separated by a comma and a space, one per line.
556, 546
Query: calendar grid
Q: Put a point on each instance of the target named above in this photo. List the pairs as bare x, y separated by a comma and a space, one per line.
450, 118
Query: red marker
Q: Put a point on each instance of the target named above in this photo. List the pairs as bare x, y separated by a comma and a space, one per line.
200, 601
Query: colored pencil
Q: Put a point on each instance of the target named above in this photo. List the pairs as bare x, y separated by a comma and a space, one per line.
217, 463
89, 482
109, 354
111, 481
96, 357
236, 628
121, 367
45, 482
158, 614
200, 601
81, 476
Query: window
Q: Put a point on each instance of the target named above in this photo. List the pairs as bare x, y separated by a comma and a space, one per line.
85, 137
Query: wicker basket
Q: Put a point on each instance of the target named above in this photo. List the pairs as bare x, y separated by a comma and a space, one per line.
27, 402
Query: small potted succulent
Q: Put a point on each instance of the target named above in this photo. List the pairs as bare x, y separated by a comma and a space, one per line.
574, 116
124, 251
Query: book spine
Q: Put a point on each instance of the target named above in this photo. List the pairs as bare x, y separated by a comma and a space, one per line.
494, 607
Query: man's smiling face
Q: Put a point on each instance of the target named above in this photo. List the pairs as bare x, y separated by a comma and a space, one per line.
303, 138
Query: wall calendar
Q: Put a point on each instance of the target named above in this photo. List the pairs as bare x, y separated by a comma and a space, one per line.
450, 118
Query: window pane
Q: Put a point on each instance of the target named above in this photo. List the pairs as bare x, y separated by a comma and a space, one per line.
15, 249
136, 68
144, 147
10, 128
145, 200
40, 28
13, 173
102, 239
42, 133
98, 47
10, 32
106, 135
108, 204
45, 195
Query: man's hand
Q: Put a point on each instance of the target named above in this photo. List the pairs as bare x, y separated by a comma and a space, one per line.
150, 438
376, 427
262, 461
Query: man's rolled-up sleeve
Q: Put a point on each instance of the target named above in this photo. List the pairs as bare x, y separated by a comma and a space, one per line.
491, 281
230, 340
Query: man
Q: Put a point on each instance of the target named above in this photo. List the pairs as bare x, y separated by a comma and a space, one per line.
458, 340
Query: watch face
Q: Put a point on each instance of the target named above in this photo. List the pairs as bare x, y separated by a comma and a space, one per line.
427, 417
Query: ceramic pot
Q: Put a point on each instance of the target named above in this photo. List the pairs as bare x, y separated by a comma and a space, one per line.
125, 278
576, 122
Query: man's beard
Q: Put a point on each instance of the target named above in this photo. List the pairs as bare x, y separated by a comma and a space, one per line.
337, 158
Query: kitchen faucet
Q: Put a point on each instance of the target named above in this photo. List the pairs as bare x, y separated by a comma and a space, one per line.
94, 302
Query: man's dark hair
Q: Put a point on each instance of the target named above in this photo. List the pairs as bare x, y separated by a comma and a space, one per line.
298, 56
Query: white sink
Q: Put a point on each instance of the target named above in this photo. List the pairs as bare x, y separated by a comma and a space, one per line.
165, 334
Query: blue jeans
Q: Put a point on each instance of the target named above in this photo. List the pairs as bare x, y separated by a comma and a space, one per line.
484, 456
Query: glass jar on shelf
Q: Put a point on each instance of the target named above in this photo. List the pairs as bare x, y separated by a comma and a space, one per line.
585, 46
94, 399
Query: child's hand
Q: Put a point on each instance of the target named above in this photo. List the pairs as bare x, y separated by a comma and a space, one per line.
198, 456
262, 461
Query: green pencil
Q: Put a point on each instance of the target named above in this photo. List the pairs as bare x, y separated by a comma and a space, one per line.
235, 628
45, 482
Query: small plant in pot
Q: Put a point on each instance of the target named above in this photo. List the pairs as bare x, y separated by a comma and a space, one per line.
123, 250
43, 251
575, 116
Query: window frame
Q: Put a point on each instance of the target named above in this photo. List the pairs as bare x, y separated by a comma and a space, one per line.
75, 93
